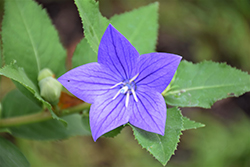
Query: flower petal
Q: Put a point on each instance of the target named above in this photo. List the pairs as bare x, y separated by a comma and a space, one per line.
88, 81
117, 53
149, 113
107, 114
156, 70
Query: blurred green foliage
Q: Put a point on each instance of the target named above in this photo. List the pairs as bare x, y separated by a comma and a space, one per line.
198, 30
216, 145
222, 145
122, 151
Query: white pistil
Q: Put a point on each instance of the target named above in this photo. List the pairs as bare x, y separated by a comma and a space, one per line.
127, 99
134, 94
124, 89
132, 79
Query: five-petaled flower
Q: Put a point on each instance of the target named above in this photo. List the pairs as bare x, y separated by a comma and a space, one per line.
123, 86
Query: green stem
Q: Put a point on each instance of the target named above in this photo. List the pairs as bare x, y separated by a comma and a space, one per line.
40, 116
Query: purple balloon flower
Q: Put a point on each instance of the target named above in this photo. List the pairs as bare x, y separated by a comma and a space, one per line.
123, 86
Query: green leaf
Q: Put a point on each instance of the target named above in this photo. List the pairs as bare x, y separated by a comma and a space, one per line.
27, 93
140, 27
16, 104
94, 24
141, 22
3, 130
18, 74
47, 130
52, 129
83, 54
189, 124
202, 84
112, 133
162, 147
30, 38
10, 156
1, 57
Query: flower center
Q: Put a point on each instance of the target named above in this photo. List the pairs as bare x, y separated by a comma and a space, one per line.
127, 87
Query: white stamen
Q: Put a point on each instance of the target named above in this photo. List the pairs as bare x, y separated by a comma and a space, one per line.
127, 86
120, 83
116, 94
132, 79
127, 99
133, 92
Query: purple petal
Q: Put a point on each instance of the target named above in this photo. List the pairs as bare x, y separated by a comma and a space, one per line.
117, 53
107, 114
88, 81
149, 113
156, 70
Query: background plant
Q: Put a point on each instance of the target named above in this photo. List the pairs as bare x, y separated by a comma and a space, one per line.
215, 81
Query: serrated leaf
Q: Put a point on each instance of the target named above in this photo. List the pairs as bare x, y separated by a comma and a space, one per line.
200, 85
30, 38
18, 74
189, 124
83, 54
94, 24
46, 130
162, 147
10, 156
142, 22
139, 26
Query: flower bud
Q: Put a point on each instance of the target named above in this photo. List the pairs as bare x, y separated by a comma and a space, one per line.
50, 89
44, 73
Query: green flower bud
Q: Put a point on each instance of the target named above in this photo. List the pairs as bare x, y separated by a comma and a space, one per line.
44, 73
50, 89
